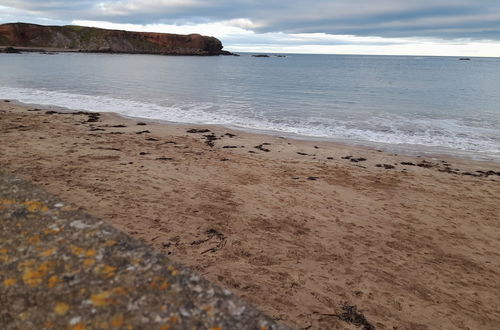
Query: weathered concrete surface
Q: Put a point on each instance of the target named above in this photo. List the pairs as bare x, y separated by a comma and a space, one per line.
63, 269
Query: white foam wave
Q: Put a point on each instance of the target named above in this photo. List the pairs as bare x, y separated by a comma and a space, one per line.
395, 130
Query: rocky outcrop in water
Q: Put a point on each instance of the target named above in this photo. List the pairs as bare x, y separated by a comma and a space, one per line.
88, 39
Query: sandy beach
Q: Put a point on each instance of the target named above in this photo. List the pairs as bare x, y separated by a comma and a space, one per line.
319, 235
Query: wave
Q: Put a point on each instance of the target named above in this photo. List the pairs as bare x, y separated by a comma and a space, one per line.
445, 134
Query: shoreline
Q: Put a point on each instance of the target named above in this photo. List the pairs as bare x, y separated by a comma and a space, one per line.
55, 50
301, 229
432, 152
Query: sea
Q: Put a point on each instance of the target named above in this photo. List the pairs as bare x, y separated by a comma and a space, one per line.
404, 104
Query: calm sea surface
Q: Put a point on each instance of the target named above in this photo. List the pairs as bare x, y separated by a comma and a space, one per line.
405, 104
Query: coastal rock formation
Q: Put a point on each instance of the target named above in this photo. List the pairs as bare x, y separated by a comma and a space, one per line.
9, 50
89, 39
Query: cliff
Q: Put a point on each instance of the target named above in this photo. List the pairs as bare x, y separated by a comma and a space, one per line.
88, 39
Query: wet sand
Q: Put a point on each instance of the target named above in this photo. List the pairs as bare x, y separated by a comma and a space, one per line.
316, 234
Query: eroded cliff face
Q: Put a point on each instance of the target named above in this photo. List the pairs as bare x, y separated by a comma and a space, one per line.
87, 39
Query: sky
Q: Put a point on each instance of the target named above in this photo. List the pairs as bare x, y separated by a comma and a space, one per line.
378, 27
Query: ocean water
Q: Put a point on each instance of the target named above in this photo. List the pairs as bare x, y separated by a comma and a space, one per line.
422, 105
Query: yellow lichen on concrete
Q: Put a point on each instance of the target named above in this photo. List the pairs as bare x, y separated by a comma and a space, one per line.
77, 250
48, 252
119, 291
9, 282
90, 253
35, 206
82, 252
172, 270
88, 262
27, 263
52, 231
209, 309
34, 240
48, 324
46, 266
105, 270
78, 326
32, 277
117, 320
160, 283
110, 242
61, 308
53, 281
102, 299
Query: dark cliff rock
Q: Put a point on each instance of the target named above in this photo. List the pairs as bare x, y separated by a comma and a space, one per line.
88, 39
10, 50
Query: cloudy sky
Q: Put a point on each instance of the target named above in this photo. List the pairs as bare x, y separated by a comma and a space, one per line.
417, 27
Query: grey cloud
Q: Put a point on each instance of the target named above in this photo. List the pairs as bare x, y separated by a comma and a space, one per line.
387, 18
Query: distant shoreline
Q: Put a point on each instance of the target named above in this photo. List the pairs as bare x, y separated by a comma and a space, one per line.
82, 51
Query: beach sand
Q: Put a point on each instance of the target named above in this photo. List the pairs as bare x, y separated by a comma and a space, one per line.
311, 236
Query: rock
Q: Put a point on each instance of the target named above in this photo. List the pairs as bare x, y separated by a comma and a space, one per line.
90, 39
354, 160
10, 50
195, 130
226, 53
209, 139
386, 166
448, 170
260, 55
261, 147
425, 164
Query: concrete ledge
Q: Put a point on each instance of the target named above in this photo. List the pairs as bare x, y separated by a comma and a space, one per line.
63, 269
